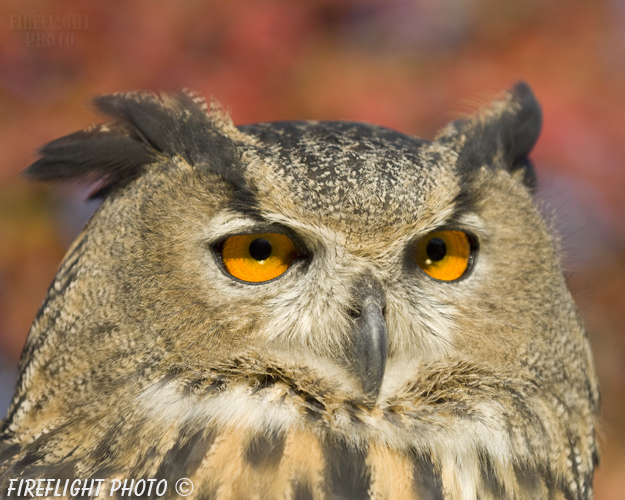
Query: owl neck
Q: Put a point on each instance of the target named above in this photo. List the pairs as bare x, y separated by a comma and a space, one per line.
455, 431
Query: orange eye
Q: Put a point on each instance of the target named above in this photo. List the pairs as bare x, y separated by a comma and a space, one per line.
444, 255
257, 257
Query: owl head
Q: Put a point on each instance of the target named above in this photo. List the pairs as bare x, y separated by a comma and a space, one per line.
343, 279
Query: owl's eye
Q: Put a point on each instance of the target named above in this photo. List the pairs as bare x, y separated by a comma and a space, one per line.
444, 255
257, 257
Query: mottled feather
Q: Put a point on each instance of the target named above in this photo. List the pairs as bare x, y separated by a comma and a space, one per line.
148, 360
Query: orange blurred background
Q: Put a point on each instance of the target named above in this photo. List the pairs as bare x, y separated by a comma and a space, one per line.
408, 64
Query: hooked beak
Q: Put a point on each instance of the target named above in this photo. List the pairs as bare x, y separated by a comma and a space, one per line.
369, 340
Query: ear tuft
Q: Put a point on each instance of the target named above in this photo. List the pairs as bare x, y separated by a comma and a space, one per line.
104, 151
521, 125
500, 135
145, 127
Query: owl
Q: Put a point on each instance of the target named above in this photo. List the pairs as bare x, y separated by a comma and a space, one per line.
303, 310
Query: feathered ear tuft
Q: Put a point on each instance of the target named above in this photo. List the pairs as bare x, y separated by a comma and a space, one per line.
144, 128
106, 152
109, 152
503, 133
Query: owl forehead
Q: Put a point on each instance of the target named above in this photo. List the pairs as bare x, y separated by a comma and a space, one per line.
354, 175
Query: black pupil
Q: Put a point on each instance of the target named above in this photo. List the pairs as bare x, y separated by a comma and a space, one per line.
436, 249
260, 249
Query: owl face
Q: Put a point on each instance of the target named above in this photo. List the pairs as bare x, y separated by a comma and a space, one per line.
324, 219
381, 294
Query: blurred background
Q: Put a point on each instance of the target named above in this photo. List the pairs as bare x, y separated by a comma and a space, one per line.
412, 65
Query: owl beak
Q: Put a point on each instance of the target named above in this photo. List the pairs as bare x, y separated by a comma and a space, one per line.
369, 348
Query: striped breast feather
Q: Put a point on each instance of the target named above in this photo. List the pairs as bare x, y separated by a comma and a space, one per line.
258, 430
299, 465
424, 444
